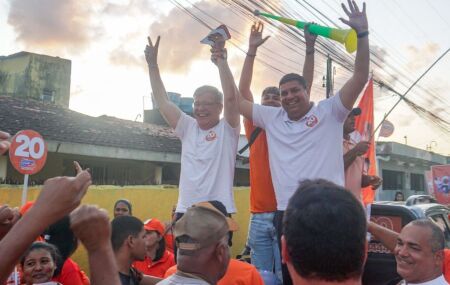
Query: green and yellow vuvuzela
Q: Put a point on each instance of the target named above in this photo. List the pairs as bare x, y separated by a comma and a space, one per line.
346, 37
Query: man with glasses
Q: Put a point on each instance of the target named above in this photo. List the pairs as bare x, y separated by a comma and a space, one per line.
209, 144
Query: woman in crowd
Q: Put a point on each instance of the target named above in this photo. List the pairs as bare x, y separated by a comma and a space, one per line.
122, 207
158, 259
39, 263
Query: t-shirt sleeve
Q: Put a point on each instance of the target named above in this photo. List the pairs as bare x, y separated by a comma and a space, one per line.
263, 115
338, 109
183, 125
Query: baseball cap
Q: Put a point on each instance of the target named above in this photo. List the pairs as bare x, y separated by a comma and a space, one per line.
204, 224
154, 225
355, 111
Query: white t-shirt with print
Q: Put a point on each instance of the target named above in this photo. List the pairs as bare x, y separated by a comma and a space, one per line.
309, 148
208, 159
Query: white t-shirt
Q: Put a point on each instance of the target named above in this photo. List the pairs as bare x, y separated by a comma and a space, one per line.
437, 281
309, 148
208, 159
178, 280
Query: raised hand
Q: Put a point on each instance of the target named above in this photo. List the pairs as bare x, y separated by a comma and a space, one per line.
4, 143
151, 52
218, 54
8, 217
361, 147
310, 39
256, 38
91, 225
356, 19
60, 195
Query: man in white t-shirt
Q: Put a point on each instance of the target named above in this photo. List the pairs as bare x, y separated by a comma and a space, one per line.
304, 139
209, 144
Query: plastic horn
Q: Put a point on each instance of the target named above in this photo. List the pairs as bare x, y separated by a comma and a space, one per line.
346, 37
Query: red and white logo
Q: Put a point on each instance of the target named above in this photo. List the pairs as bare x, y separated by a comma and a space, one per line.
28, 152
311, 121
211, 136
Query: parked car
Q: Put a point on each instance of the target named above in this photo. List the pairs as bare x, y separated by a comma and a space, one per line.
381, 268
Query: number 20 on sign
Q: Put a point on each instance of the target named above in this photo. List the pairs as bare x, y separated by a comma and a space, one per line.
27, 153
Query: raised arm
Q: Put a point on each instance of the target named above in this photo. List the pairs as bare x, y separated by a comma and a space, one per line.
169, 110
308, 66
358, 21
230, 91
59, 196
254, 42
4, 143
91, 225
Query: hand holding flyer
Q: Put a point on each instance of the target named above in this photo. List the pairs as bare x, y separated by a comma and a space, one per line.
217, 37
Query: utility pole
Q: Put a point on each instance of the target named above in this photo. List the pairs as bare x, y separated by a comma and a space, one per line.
329, 79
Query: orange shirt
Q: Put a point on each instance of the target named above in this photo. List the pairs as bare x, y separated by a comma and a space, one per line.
71, 274
158, 268
262, 195
238, 273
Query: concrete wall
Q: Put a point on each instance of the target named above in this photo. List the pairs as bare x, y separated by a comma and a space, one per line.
31, 75
148, 202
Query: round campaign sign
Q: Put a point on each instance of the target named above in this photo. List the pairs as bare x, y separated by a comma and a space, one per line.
28, 152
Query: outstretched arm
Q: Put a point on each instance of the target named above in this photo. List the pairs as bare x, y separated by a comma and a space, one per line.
387, 237
91, 225
59, 196
230, 91
358, 21
247, 70
169, 110
308, 66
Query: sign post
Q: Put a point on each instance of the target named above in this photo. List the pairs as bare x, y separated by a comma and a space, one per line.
27, 153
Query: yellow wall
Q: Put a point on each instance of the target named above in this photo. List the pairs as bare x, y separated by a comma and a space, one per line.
148, 202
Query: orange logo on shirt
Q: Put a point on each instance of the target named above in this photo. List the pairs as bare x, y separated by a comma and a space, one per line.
311, 121
211, 136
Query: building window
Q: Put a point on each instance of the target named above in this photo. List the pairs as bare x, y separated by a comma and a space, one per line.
47, 96
417, 182
393, 180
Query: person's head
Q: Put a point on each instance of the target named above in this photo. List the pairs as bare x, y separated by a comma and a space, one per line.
208, 104
324, 234
60, 235
271, 97
39, 263
155, 243
420, 251
202, 237
122, 207
399, 196
128, 236
294, 95
349, 124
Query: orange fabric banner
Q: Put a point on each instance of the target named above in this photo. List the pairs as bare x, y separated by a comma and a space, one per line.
441, 183
364, 125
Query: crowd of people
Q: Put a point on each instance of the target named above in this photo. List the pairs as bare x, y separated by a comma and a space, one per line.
308, 223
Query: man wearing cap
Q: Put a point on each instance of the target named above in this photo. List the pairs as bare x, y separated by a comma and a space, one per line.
238, 272
157, 259
201, 236
354, 149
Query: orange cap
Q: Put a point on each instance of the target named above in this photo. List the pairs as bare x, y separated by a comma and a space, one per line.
155, 225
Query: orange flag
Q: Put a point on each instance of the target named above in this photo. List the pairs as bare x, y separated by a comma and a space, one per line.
364, 125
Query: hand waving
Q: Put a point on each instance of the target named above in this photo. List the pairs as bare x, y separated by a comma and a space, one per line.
356, 19
256, 38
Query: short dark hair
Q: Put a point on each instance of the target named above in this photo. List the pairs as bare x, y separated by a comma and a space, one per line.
53, 250
325, 230
437, 239
293, 77
122, 227
271, 90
